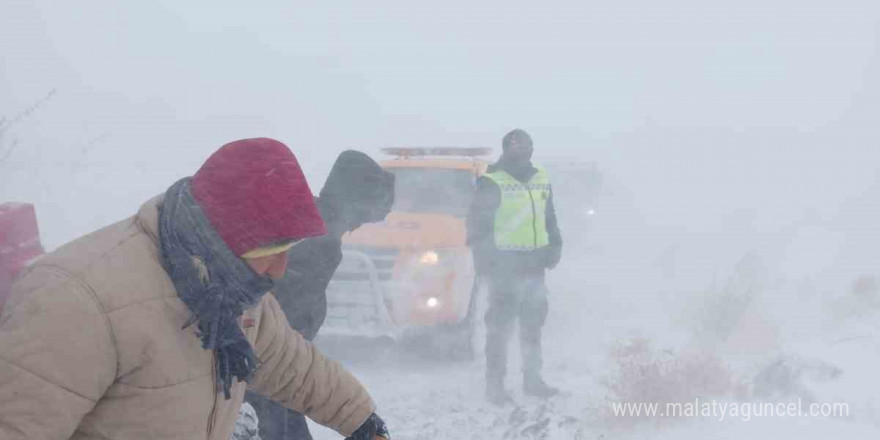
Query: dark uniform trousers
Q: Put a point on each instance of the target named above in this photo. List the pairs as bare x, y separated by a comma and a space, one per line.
512, 296
277, 422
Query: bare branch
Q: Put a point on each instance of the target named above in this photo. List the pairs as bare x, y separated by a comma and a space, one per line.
9, 150
6, 124
33, 108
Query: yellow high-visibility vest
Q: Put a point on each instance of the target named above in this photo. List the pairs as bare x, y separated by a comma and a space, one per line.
520, 221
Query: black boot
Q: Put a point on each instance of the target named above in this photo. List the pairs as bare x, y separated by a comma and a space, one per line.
496, 394
533, 385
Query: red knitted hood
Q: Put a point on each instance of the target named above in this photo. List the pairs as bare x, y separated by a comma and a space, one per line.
254, 194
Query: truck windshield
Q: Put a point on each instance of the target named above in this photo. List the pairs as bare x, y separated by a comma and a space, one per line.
433, 190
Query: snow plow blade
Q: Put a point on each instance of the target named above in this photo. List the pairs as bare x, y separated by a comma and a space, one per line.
358, 312
356, 299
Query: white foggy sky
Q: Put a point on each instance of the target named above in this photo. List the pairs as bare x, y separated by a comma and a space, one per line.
711, 112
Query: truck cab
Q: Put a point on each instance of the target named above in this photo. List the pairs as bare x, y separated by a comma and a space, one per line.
412, 273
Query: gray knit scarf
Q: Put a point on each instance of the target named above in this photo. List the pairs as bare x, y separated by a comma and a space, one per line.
212, 281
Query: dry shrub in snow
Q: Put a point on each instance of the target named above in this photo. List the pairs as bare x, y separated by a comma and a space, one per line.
646, 375
862, 299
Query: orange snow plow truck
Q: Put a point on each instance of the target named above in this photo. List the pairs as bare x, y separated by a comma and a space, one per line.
411, 275
19, 243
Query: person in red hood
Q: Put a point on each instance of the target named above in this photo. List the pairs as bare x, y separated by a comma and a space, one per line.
153, 327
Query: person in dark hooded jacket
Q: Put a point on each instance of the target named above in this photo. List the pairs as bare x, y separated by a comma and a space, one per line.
357, 191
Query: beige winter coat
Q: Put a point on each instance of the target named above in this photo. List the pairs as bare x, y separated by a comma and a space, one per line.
92, 347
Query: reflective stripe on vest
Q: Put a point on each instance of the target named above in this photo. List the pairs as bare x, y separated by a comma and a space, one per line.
520, 222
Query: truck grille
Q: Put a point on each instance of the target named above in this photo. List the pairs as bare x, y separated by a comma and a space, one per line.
383, 259
356, 299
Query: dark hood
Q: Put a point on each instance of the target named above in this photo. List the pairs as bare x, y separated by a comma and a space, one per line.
357, 191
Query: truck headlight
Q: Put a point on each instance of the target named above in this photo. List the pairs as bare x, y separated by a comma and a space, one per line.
432, 302
429, 258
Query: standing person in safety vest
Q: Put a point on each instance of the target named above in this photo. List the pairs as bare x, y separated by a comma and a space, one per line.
514, 237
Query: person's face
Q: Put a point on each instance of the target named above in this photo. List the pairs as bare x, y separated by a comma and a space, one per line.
519, 152
272, 266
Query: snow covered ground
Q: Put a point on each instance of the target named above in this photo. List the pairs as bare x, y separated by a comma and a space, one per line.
637, 319
824, 362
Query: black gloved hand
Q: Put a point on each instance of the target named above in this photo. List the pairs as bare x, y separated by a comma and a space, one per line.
373, 427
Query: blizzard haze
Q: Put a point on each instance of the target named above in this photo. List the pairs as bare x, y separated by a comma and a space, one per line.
737, 142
